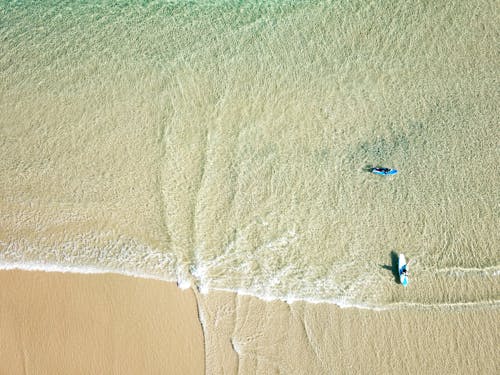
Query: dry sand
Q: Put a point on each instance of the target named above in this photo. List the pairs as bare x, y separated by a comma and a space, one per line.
61, 323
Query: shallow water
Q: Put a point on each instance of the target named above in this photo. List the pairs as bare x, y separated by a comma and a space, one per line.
226, 145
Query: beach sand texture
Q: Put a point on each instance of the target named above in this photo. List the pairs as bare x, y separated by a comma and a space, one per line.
246, 335
226, 146
54, 323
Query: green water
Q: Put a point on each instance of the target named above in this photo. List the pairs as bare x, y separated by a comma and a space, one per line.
226, 144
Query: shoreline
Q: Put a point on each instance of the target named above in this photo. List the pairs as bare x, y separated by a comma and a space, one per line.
88, 270
248, 336
54, 321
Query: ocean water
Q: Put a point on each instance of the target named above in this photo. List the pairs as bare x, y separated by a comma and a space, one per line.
225, 145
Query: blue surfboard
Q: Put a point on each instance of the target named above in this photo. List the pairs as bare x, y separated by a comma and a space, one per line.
384, 172
402, 266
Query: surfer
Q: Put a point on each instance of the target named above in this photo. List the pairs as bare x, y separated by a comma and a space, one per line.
404, 271
381, 170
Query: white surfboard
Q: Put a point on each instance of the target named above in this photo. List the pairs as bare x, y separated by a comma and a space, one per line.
402, 265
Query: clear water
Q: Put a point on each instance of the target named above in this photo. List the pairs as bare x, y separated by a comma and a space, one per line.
226, 145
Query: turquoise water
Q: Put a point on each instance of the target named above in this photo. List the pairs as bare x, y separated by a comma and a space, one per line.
225, 145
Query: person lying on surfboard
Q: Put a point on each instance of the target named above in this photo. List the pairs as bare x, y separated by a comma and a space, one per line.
382, 170
404, 269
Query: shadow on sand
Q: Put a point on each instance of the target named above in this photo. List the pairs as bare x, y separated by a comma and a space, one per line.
393, 267
368, 168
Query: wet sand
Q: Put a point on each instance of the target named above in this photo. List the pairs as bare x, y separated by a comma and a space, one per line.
73, 323
246, 335
61, 323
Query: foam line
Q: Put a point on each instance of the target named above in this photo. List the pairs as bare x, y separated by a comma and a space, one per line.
33, 266
43, 267
495, 304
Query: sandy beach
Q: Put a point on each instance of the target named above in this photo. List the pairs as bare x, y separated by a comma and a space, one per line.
63, 323
70, 323
245, 335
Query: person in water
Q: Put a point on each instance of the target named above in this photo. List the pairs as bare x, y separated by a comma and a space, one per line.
383, 170
404, 271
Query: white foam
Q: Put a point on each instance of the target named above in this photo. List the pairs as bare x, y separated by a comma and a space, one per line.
48, 267
184, 284
204, 289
